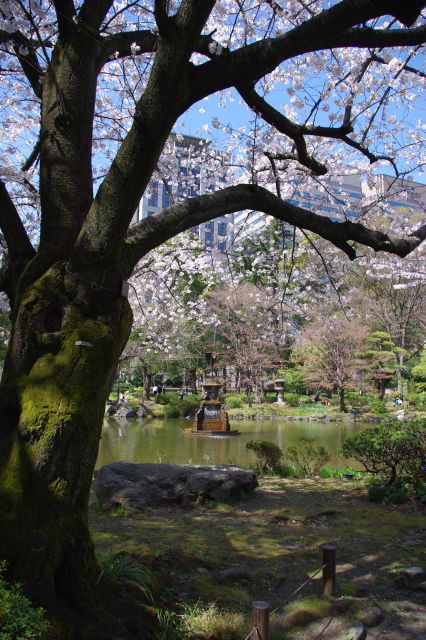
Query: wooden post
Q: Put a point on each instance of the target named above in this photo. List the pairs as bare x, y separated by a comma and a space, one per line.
260, 619
329, 570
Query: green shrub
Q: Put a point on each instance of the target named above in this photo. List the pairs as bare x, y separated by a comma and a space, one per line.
19, 620
292, 399
286, 471
392, 451
172, 410
356, 400
308, 457
388, 494
234, 402
420, 401
188, 405
166, 398
378, 407
268, 453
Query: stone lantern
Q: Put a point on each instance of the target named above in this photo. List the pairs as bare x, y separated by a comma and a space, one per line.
279, 388
211, 418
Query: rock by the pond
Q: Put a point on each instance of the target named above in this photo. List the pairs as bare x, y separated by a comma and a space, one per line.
136, 486
403, 414
122, 409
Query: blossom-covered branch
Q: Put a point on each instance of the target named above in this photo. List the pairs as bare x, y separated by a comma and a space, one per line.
152, 232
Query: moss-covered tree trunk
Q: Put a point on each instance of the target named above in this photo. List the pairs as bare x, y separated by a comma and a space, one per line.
65, 344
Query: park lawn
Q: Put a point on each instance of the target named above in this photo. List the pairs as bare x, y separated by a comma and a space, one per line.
272, 540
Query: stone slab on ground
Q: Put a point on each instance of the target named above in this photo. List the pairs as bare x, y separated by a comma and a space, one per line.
136, 486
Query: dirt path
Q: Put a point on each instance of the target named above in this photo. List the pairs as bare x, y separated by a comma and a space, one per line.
264, 546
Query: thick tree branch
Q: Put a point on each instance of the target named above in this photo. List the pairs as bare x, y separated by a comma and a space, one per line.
120, 44
19, 248
333, 28
152, 232
65, 12
26, 54
18, 243
193, 15
93, 12
161, 15
283, 125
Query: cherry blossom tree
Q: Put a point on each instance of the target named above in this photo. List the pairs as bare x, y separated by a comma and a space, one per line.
91, 91
247, 321
329, 349
169, 298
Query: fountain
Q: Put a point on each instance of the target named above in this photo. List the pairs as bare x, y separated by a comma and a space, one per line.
211, 418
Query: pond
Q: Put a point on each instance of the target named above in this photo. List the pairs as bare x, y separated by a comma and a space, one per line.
163, 440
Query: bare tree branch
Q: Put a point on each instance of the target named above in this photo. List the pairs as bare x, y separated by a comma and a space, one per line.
284, 125
120, 44
153, 231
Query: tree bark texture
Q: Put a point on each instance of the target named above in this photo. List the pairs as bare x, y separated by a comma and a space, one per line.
65, 344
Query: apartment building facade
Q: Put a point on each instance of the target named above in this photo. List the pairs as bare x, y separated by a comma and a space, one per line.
187, 170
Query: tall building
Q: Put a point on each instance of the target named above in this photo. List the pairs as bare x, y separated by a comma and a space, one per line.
189, 167
395, 193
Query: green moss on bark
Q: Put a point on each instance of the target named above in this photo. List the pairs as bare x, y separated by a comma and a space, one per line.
57, 390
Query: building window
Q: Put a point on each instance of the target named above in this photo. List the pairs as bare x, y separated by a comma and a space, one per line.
222, 228
153, 198
166, 197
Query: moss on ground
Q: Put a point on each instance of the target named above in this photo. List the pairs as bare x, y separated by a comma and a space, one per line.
273, 541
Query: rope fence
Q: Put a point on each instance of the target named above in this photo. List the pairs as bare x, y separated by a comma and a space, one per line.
261, 610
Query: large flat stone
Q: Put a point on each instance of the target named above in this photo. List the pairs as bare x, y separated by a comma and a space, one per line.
136, 486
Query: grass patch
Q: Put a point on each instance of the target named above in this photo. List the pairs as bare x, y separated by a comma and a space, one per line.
210, 622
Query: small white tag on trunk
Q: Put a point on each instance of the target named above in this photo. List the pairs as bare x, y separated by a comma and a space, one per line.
83, 343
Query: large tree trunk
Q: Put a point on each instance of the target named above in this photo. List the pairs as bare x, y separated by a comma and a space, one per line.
65, 343
192, 373
147, 382
342, 405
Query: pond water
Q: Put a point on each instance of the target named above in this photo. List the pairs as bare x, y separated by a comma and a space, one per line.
163, 440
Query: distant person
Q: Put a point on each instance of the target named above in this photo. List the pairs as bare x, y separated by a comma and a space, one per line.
181, 394
155, 390
159, 389
121, 397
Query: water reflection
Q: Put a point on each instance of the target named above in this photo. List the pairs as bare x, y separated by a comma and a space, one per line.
163, 441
